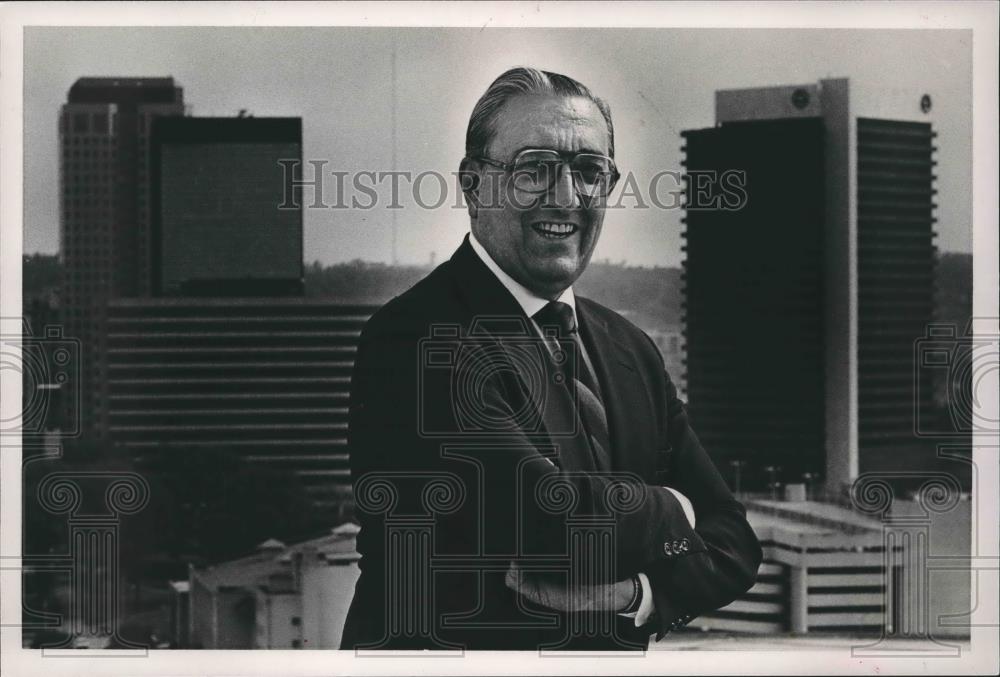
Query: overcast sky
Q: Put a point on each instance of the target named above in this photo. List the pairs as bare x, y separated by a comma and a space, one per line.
657, 81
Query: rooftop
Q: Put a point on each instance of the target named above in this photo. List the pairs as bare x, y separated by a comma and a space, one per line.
814, 516
255, 569
125, 90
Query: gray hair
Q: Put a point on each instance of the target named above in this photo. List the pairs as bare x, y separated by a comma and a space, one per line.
520, 81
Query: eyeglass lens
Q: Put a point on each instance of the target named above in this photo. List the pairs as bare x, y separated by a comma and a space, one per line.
537, 171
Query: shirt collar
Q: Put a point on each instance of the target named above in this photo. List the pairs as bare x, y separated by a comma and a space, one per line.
530, 302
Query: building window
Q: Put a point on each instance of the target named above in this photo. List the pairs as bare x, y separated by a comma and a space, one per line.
296, 620
296, 644
80, 123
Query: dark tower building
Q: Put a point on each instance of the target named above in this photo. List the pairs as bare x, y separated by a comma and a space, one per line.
104, 216
754, 295
220, 220
803, 301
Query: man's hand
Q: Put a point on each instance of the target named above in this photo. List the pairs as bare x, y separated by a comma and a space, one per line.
559, 596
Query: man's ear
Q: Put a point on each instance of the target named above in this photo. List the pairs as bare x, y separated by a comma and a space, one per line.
468, 178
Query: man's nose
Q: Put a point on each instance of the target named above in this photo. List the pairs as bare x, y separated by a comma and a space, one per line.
563, 191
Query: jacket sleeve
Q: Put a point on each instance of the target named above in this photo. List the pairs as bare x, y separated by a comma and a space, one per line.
703, 568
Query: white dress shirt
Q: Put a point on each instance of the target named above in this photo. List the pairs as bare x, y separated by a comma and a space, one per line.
531, 303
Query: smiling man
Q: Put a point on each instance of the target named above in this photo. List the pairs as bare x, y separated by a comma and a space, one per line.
524, 472
543, 232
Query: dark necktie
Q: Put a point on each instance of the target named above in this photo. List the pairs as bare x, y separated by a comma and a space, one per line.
580, 374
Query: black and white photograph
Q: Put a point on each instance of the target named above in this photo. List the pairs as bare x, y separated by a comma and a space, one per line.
499, 338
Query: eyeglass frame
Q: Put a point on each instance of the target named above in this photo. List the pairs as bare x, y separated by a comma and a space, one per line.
567, 158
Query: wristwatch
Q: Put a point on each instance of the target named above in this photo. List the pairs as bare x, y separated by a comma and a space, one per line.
633, 606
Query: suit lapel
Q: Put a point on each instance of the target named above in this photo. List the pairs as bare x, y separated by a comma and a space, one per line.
496, 315
624, 391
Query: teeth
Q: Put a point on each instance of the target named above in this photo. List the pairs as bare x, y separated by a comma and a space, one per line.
556, 228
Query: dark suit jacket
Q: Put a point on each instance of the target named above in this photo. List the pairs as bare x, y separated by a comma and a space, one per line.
465, 455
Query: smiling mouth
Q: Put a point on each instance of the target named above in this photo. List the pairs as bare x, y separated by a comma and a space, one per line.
554, 231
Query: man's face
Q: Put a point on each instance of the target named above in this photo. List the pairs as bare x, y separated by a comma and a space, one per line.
511, 224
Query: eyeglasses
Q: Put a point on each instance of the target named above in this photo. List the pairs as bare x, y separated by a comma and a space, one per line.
535, 171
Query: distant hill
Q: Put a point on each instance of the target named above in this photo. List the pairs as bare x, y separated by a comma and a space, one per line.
649, 296
360, 281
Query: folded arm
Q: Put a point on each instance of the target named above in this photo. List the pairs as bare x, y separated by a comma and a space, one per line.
702, 567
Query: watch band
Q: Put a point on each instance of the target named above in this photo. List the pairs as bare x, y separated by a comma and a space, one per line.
633, 606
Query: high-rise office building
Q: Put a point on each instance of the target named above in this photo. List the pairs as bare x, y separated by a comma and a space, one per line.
104, 217
808, 278
222, 225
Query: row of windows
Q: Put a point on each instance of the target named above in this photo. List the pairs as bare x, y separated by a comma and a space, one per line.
92, 254
92, 197
95, 267
95, 218
92, 171
84, 278
77, 236
72, 204
78, 192
90, 292
75, 230
80, 215
88, 177
85, 171
84, 167
88, 140
94, 210
86, 157
99, 263
74, 179
102, 180
100, 172
98, 122
90, 247
73, 235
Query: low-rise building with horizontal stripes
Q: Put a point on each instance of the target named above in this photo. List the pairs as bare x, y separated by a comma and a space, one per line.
267, 379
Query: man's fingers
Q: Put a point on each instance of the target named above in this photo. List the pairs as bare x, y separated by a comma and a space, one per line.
513, 577
552, 595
